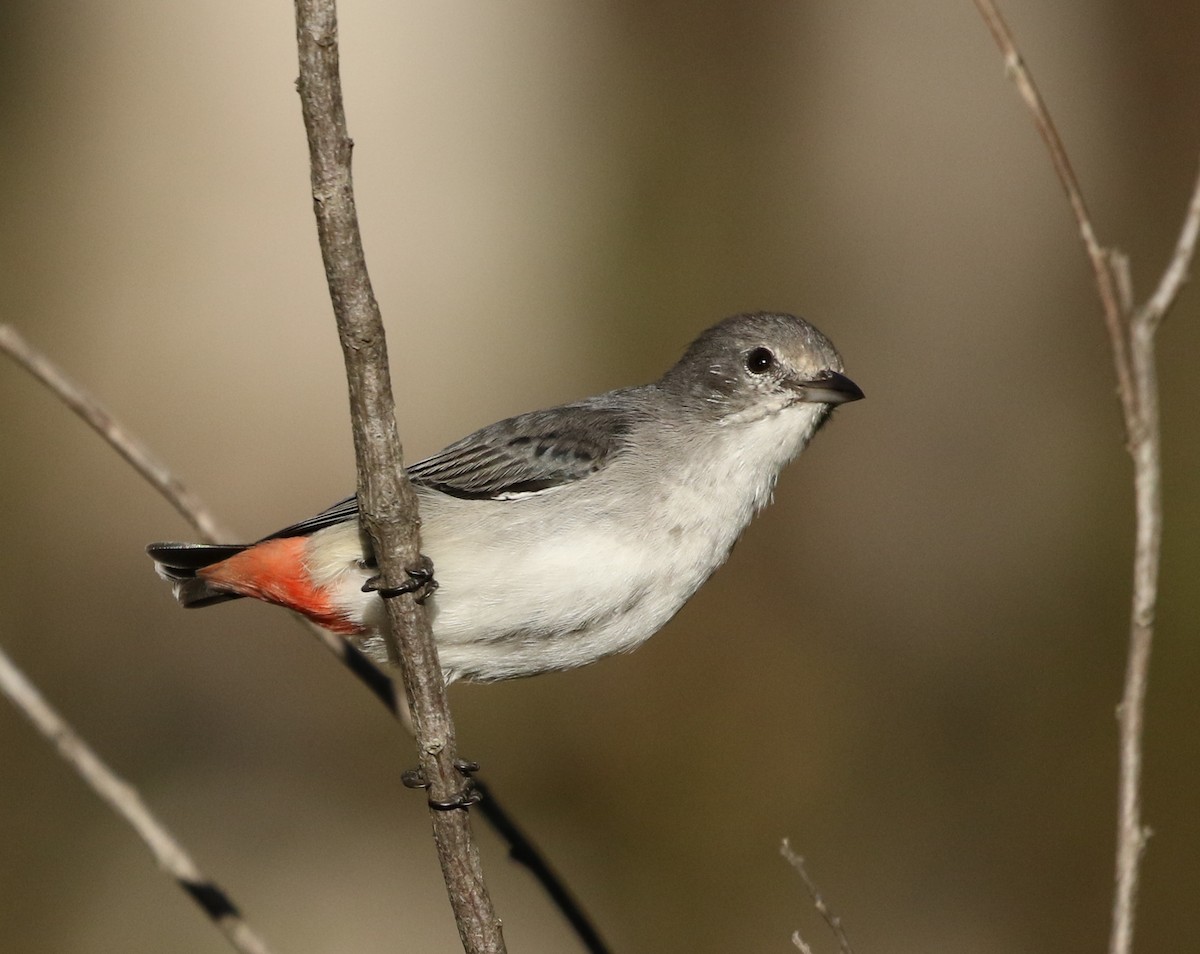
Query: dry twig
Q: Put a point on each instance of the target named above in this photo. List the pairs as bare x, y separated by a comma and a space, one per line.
1131, 332
823, 909
160, 477
386, 498
122, 798
113, 790
120, 439
521, 849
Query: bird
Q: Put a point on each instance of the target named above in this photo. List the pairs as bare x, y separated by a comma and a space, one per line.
565, 535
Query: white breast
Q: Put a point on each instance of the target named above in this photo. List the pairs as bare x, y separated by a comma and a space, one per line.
559, 579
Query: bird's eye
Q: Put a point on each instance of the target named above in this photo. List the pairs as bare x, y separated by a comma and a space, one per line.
760, 361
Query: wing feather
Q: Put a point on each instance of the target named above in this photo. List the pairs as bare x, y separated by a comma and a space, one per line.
528, 454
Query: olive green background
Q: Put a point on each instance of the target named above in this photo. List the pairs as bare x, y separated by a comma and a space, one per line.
909, 666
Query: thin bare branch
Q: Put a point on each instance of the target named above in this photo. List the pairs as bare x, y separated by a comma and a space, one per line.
521, 849
386, 498
1132, 835
123, 799
800, 944
1131, 332
1106, 284
1118, 262
1145, 442
109, 428
1177, 272
831, 918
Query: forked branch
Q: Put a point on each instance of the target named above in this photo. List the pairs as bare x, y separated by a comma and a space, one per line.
1131, 333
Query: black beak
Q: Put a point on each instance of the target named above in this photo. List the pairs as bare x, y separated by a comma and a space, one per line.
829, 387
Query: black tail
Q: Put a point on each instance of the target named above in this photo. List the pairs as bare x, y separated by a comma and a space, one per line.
178, 563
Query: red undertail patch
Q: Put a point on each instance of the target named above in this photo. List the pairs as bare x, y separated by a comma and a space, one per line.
275, 571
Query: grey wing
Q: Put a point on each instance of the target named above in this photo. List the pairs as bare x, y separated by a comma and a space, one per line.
530, 453
515, 457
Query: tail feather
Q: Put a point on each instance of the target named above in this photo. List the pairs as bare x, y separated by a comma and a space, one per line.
178, 563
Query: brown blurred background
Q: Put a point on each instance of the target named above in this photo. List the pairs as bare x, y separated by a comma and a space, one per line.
911, 663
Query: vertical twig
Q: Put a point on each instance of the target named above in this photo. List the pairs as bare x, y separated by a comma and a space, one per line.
521, 849
1131, 333
386, 499
1145, 441
123, 798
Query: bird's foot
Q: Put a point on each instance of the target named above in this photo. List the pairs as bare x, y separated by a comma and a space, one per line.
469, 795
420, 581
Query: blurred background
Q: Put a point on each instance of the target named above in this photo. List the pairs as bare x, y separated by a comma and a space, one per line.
911, 663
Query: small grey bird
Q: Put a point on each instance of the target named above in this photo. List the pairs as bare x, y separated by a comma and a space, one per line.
565, 535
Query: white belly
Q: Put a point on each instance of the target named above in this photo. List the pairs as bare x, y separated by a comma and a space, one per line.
560, 578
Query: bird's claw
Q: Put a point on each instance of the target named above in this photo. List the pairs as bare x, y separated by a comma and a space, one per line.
420, 581
469, 795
